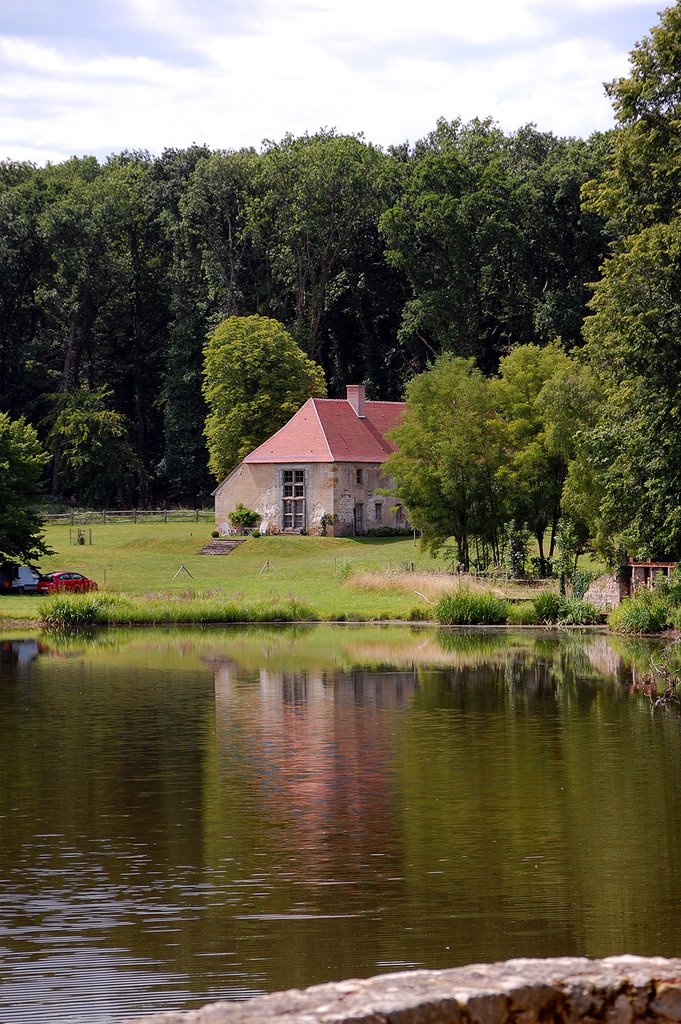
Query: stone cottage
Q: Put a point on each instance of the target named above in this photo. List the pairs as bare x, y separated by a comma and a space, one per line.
323, 469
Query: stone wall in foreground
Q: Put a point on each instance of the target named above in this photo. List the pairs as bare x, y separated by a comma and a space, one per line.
617, 990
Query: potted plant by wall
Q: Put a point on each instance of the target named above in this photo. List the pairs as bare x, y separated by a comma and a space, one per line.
244, 518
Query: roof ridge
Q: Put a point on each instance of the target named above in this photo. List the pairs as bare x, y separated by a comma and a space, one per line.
371, 401
321, 426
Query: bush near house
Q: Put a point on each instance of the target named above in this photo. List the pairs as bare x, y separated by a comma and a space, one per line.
244, 517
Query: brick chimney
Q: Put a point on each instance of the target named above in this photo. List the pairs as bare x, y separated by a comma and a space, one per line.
356, 397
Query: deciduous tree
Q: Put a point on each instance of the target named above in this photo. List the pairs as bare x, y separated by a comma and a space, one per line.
99, 466
527, 395
255, 378
448, 458
21, 465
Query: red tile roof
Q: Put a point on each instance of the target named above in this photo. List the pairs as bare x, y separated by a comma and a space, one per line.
329, 430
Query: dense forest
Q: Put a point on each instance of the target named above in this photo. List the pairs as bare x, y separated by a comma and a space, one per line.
469, 243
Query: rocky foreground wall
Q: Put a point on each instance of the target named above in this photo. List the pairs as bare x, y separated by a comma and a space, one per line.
617, 990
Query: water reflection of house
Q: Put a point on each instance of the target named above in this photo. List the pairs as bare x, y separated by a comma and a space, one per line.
318, 748
20, 652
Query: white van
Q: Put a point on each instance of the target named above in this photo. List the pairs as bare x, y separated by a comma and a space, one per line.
18, 579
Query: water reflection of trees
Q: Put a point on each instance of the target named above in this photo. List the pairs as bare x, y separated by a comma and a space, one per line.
274, 800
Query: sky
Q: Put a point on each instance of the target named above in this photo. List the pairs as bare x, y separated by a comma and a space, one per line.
87, 77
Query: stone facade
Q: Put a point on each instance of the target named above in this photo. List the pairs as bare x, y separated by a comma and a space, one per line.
616, 990
349, 492
605, 593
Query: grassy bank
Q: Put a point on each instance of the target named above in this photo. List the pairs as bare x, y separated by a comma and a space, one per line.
328, 578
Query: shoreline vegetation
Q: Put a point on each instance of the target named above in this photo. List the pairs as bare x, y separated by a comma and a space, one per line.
153, 574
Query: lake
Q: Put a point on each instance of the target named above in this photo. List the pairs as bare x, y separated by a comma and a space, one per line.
187, 815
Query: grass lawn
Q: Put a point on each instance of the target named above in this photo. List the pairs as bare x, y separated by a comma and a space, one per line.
338, 578
144, 559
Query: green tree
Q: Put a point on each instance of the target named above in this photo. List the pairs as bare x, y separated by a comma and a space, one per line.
21, 465
255, 378
527, 396
313, 222
490, 238
183, 468
448, 458
642, 182
98, 463
626, 479
213, 208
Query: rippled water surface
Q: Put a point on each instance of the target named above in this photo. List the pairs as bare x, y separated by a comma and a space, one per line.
187, 816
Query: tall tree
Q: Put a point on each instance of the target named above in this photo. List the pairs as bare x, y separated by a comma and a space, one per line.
183, 468
449, 454
255, 378
99, 466
21, 463
642, 182
627, 478
213, 209
313, 219
529, 396
489, 234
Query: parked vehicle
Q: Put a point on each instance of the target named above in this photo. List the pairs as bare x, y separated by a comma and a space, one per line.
52, 582
18, 579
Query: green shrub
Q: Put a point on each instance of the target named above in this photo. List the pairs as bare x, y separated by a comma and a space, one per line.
466, 608
80, 611
244, 517
523, 613
344, 569
644, 613
565, 611
419, 613
215, 533
325, 522
576, 612
547, 607
389, 531
673, 587
516, 537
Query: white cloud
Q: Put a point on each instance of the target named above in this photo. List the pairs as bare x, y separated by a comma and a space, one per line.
232, 76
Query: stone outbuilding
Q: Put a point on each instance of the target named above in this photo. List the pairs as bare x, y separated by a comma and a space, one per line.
636, 574
607, 592
322, 472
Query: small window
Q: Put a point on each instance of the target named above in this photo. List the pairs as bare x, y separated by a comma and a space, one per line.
378, 511
359, 477
399, 514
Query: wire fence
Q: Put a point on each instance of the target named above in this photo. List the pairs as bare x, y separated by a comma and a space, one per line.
135, 515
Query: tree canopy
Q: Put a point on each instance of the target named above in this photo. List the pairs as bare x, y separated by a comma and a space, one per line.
449, 453
476, 453
255, 378
375, 261
21, 464
626, 478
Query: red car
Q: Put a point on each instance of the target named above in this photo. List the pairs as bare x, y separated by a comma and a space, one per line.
52, 582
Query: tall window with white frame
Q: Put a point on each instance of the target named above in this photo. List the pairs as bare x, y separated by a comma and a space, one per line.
293, 484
